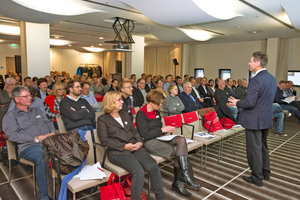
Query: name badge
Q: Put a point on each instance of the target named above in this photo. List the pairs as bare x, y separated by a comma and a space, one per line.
38, 116
128, 111
177, 104
126, 122
83, 107
157, 116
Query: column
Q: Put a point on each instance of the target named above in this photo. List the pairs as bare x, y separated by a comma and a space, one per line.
272, 51
35, 49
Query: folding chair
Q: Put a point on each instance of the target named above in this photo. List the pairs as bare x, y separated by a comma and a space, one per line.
61, 125
175, 121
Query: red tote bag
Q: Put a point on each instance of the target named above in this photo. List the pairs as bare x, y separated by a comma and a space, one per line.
113, 190
126, 188
227, 123
211, 122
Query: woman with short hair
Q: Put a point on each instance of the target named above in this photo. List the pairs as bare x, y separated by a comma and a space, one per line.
125, 146
159, 88
149, 126
172, 105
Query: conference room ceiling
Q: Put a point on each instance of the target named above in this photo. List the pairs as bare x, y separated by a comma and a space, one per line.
160, 21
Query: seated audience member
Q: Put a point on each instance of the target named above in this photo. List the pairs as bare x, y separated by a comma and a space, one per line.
105, 79
185, 79
83, 78
52, 102
34, 82
154, 80
42, 91
76, 112
211, 87
5, 98
290, 88
168, 82
133, 76
57, 78
190, 103
107, 86
203, 89
239, 82
198, 82
149, 86
178, 81
159, 88
234, 84
27, 81
49, 80
279, 114
217, 82
204, 102
90, 80
149, 126
28, 127
125, 146
230, 89
132, 82
76, 77
114, 85
126, 90
18, 80
284, 105
85, 94
241, 90
97, 85
139, 94
35, 101
143, 76
221, 96
172, 105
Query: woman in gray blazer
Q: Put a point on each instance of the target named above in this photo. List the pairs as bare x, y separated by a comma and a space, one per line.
172, 104
117, 132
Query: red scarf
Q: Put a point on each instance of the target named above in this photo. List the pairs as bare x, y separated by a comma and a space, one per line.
150, 115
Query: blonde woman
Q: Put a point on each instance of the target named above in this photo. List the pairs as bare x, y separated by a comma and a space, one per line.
172, 105
159, 88
52, 102
117, 132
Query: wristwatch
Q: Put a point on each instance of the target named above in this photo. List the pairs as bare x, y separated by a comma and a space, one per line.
36, 139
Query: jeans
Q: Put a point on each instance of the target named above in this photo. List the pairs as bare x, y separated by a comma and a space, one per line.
35, 154
235, 111
135, 163
279, 114
292, 109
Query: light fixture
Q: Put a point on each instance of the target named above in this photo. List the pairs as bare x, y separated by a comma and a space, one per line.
58, 7
93, 49
9, 30
196, 34
92, 46
69, 45
56, 37
57, 42
101, 38
100, 44
1, 40
222, 9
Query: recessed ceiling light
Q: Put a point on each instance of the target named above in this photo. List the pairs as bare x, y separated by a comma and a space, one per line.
66, 7
93, 49
9, 30
239, 26
196, 34
56, 37
100, 44
69, 45
101, 38
149, 27
254, 32
57, 42
1, 40
92, 46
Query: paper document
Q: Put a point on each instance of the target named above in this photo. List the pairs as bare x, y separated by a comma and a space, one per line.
167, 137
189, 141
204, 135
289, 99
237, 125
89, 172
222, 130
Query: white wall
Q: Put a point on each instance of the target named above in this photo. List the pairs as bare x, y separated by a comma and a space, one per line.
234, 56
69, 60
294, 54
6, 50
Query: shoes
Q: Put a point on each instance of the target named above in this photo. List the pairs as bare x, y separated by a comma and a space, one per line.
266, 177
250, 180
179, 188
186, 178
281, 134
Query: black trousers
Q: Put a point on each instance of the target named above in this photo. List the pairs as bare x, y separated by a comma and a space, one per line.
135, 163
258, 153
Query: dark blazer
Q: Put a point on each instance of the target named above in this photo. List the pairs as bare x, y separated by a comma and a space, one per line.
231, 92
257, 104
147, 88
112, 89
188, 103
279, 96
39, 94
138, 98
203, 93
114, 136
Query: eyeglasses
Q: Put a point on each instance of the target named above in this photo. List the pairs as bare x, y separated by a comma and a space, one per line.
26, 96
77, 87
60, 89
129, 87
119, 99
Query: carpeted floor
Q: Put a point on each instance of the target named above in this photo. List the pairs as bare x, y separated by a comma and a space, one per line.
220, 180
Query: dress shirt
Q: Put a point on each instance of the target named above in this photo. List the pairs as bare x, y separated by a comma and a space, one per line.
180, 88
35, 103
259, 71
43, 95
144, 93
166, 85
196, 91
93, 102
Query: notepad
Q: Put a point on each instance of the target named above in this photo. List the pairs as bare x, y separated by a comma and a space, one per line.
204, 135
167, 137
89, 172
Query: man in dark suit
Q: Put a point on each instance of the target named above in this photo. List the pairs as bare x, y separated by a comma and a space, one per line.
257, 118
190, 103
149, 85
203, 89
139, 94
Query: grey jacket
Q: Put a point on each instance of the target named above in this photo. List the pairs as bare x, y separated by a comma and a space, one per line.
172, 106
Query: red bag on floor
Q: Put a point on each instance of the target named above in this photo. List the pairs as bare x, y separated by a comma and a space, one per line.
126, 188
113, 190
227, 123
211, 122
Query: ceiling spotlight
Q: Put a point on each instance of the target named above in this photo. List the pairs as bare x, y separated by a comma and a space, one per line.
92, 46
57, 42
69, 45
254, 32
101, 38
100, 44
56, 37
9, 30
93, 49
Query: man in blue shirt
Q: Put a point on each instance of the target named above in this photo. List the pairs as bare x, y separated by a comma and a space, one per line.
90, 98
169, 80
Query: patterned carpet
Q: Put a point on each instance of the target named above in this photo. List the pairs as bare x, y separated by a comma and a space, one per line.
220, 180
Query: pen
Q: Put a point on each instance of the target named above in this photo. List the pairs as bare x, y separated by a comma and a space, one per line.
100, 169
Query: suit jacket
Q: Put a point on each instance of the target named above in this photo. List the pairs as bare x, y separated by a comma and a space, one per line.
189, 104
232, 92
114, 136
203, 93
211, 91
147, 88
138, 98
257, 103
279, 96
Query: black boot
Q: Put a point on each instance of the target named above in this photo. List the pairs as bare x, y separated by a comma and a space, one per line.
186, 178
179, 186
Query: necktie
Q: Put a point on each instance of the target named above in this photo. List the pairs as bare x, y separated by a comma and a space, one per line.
192, 97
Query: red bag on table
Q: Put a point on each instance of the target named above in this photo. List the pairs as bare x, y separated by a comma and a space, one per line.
113, 190
227, 123
211, 122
